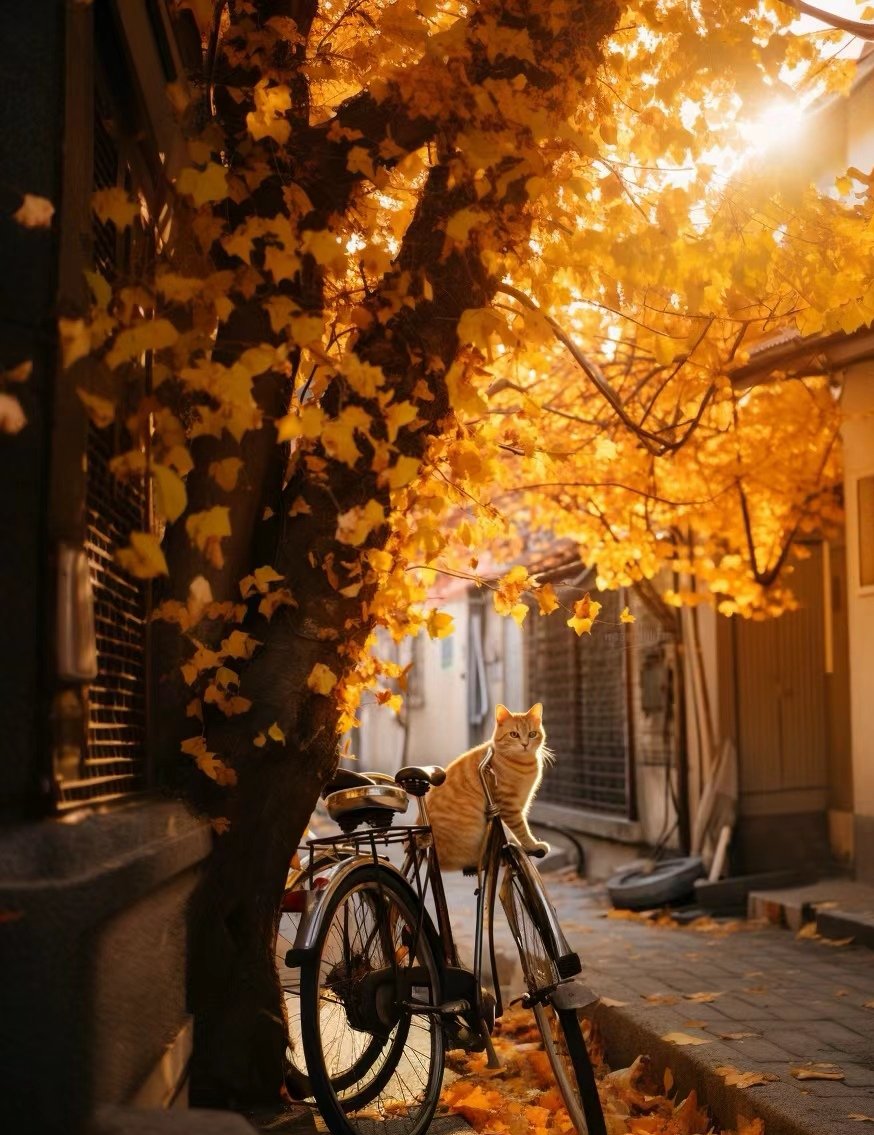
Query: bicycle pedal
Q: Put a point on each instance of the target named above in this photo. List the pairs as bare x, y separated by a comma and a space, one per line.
469, 872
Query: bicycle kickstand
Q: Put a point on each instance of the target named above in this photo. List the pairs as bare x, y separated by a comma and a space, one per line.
494, 1061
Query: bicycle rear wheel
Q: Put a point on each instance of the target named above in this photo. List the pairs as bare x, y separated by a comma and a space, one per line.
291, 909
375, 1062
563, 1041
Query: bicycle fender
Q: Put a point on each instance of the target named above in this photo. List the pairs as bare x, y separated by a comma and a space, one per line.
316, 903
572, 995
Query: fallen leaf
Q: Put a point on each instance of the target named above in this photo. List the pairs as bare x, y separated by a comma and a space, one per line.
685, 1038
702, 998
868, 1004
610, 1003
737, 1079
808, 930
859, 1118
817, 1071
838, 941
661, 998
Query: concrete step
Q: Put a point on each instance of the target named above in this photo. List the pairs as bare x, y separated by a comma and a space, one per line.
840, 907
730, 895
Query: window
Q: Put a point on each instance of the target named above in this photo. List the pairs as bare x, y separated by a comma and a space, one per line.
582, 683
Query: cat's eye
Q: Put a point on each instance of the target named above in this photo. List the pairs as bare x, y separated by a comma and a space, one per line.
513, 733
533, 733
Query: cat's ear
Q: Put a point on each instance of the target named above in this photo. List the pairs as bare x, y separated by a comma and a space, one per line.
536, 712
502, 714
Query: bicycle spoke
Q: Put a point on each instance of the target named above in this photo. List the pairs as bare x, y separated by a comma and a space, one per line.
383, 1062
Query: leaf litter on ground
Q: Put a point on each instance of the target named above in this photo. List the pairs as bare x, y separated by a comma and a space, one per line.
521, 1097
817, 1071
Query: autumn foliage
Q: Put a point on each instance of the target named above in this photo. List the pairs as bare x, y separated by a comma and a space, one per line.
442, 279
521, 1098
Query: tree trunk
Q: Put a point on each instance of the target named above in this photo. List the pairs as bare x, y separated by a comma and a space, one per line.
240, 1036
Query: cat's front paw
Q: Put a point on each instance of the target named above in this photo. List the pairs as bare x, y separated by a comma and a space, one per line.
538, 848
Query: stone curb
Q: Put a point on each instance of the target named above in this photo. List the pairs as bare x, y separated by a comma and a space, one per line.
626, 1036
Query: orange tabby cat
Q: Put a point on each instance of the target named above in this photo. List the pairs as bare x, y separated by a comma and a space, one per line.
457, 807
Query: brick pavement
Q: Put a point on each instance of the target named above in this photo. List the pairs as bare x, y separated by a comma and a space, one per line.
800, 1001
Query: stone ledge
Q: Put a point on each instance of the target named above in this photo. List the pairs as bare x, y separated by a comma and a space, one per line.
587, 823
100, 861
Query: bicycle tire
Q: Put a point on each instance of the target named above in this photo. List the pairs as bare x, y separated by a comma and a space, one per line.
289, 977
560, 1030
348, 980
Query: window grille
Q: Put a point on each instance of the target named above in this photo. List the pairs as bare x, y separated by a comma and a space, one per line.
115, 756
582, 684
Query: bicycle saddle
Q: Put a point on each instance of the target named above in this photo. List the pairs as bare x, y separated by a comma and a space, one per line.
346, 778
417, 779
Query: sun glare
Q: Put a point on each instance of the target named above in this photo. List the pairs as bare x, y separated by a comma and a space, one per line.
776, 127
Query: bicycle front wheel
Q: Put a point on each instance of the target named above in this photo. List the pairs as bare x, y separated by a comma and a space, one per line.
373, 1055
560, 1030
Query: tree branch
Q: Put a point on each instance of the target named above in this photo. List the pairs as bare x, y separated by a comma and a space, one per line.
653, 441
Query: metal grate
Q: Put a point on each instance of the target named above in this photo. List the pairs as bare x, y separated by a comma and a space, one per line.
114, 763
582, 685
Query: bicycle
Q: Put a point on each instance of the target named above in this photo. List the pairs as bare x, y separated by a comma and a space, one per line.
382, 991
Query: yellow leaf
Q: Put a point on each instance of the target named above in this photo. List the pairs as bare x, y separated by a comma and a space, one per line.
397, 415
260, 581
100, 410
34, 212
546, 598
143, 557
355, 525
114, 205
149, 335
75, 340
299, 507
281, 597
170, 495
626, 616
401, 473
818, 1071
321, 679
204, 186
459, 225
324, 248
605, 449
226, 472
100, 288
207, 529
268, 119
581, 626
276, 734
439, 624
238, 644
685, 1039
587, 608
518, 612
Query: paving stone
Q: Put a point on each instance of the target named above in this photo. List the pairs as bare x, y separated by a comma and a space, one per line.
798, 1015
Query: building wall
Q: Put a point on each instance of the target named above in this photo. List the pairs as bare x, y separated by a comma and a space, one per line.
858, 439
